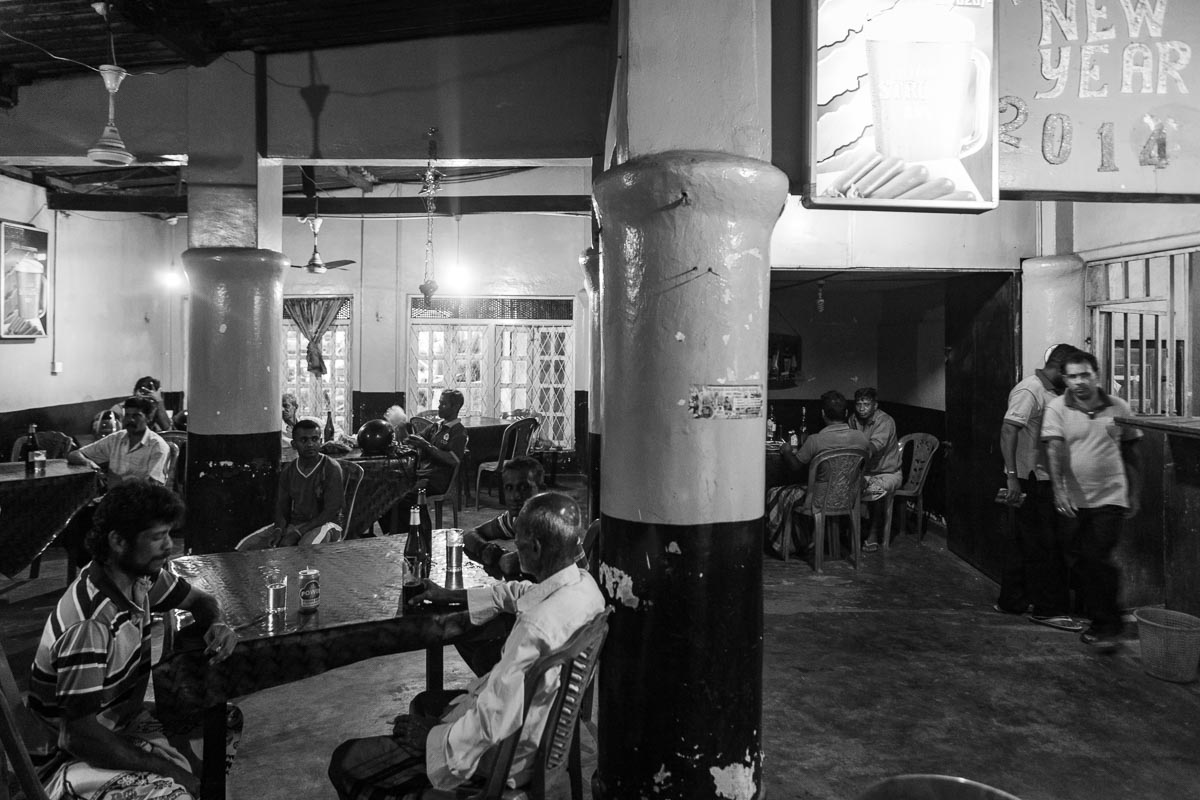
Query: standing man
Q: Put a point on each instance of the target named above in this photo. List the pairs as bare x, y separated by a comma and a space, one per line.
1097, 483
882, 475
1036, 570
91, 737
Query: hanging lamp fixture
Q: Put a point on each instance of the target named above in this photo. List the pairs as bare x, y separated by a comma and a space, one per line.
431, 184
109, 148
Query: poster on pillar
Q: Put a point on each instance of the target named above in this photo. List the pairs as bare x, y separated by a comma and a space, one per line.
902, 105
1096, 99
24, 282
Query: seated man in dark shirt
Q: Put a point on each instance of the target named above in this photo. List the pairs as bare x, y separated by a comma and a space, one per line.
437, 455
493, 544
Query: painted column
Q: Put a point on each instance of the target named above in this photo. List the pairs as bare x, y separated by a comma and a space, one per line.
233, 414
1052, 307
686, 280
589, 259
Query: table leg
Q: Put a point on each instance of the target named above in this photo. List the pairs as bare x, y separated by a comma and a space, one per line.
213, 777
433, 669
553, 479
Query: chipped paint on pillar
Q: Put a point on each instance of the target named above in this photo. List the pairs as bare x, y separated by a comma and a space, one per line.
735, 781
685, 276
233, 392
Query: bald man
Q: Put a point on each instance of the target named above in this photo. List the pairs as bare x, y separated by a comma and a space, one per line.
444, 737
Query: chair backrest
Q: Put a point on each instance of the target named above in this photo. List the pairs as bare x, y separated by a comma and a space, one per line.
835, 480
172, 461
421, 425
924, 446
56, 444
429, 413
451, 488
15, 753
591, 547
177, 472
932, 787
353, 478
523, 430
577, 660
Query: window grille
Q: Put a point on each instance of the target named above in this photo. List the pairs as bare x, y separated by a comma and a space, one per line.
1139, 323
331, 391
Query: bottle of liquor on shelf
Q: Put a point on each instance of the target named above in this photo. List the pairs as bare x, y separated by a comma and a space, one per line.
329, 426
771, 424
29, 448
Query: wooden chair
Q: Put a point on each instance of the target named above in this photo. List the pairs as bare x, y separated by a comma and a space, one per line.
451, 494
16, 756
55, 443
924, 446
834, 489
558, 750
517, 438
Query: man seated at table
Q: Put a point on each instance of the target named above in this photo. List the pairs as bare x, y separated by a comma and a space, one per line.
89, 734
135, 451
448, 738
149, 386
882, 474
310, 495
493, 544
782, 501
437, 456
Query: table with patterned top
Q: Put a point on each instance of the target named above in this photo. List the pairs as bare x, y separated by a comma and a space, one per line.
359, 617
34, 510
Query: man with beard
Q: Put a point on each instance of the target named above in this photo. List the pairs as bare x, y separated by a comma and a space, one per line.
91, 737
135, 451
1035, 572
1096, 475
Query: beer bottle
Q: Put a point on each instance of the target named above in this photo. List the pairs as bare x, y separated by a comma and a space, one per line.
426, 528
28, 448
329, 426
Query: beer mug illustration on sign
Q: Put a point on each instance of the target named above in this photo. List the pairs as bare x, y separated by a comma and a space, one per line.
929, 84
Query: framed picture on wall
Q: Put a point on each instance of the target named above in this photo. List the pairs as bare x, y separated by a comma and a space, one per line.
901, 105
24, 281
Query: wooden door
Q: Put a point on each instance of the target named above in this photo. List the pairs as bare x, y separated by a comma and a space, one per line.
982, 335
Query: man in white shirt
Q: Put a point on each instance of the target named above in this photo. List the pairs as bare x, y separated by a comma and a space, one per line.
450, 737
135, 451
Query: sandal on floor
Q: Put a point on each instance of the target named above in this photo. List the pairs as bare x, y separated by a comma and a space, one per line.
870, 547
1060, 622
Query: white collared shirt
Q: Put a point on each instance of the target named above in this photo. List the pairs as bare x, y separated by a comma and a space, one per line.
146, 459
548, 613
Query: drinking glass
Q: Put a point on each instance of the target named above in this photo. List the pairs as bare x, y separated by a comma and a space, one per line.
276, 580
454, 550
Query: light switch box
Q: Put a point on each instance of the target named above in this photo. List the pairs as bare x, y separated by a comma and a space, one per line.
56, 367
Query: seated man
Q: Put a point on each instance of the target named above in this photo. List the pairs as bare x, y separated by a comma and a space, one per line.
447, 738
310, 496
782, 501
437, 456
135, 451
149, 386
493, 544
882, 476
290, 406
90, 735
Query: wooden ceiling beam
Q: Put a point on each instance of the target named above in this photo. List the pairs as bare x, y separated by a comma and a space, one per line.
185, 28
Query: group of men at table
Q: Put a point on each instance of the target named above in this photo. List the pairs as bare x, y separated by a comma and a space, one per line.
91, 737
869, 429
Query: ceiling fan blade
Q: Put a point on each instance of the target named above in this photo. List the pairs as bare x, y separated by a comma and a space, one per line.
339, 264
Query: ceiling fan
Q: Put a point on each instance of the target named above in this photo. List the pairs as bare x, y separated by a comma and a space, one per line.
316, 264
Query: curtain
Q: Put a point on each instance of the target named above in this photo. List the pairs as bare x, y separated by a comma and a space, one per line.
313, 316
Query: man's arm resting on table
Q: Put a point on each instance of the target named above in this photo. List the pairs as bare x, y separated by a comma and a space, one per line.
86, 739
1133, 474
77, 458
220, 638
1008, 450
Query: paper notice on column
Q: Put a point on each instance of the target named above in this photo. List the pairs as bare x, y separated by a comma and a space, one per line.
716, 401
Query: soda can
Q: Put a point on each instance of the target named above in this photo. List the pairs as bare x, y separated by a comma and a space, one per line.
310, 590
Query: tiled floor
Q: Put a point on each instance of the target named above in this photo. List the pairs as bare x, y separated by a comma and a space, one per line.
899, 667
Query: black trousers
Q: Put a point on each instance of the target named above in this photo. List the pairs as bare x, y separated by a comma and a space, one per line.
1038, 556
1096, 532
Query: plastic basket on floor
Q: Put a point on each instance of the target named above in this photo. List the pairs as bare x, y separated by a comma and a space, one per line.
932, 787
1170, 643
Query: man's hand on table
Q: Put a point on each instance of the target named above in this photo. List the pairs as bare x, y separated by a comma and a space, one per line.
412, 728
221, 640
439, 596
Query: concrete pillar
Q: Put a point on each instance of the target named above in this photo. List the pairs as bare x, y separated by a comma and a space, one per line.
590, 261
235, 328
1052, 307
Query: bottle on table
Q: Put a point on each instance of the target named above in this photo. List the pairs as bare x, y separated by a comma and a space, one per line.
426, 528
419, 546
29, 448
329, 426
771, 424
793, 439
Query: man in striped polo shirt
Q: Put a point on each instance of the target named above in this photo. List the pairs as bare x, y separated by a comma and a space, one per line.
91, 736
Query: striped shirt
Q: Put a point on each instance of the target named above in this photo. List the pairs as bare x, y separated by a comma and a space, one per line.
94, 658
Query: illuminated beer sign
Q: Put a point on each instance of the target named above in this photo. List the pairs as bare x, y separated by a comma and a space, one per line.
902, 111
1097, 98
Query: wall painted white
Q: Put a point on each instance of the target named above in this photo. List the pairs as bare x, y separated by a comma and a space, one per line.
111, 316
1099, 225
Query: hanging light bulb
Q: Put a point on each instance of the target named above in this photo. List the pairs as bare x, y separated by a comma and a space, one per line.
820, 297
430, 185
109, 149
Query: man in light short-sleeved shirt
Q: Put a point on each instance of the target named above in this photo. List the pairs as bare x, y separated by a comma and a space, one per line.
135, 451
1095, 473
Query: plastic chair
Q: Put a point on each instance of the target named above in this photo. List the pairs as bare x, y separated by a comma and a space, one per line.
517, 438
169, 467
56, 444
924, 446
558, 749
421, 425
16, 754
429, 413
451, 493
177, 478
834, 488
932, 787
352, 479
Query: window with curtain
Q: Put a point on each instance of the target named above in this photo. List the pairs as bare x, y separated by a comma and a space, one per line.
319, 393
1140, 321
503, 354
